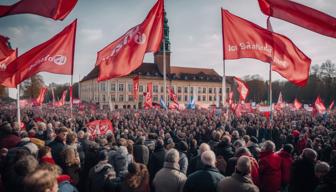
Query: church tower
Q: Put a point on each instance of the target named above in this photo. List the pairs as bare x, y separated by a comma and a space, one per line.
158, 56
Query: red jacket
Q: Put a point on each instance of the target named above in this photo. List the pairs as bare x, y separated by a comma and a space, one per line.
254, 170
286, 166
270, 172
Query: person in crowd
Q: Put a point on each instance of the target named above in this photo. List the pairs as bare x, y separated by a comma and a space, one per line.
269, 168
286, 164
321, 170
240, 181
71, 158
170, 178
8, 139
303, 172
182, 147
40, 181
196, 162
157, 159
205, 179
224, 148
253, 147
137, 179
58, 145
141, 151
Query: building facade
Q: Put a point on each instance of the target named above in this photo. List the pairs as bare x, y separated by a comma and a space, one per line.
203, 84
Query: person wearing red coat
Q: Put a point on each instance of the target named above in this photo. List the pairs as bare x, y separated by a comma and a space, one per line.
269, 168
287, 159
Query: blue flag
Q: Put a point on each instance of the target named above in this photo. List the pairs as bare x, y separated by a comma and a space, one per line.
163, 104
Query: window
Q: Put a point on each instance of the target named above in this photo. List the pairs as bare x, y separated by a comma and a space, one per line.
161, 89
104, 98
141, 88
121, 87
186, 98
199, 89
204, 90
210, 90
141, 98
204, 98
113, 99
199, 98
179, 98
185, 89
130, 98
215, 90
121, 98
220, 90
130, 87
220, 98
113, 87
155, 88
102, 86
210, 98
179, 89
227, 90
191, 90
155, 98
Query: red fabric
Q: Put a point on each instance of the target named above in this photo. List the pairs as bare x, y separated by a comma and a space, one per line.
40, 98
7, 55
331, 106
54, 56
280, 104
62, 178
287, 161
231, 97
136, 87
5, 50
172, 95
319, 105
49, 160
54, 9
149, 96
270, 172
61, 102
242, 88
126, 54
244, 39
300, 15
297, 104
301, 144
254, 171
99, 127
9, 141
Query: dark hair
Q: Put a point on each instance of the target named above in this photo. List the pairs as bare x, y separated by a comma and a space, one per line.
288, 148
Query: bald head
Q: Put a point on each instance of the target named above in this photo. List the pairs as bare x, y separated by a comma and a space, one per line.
243, 165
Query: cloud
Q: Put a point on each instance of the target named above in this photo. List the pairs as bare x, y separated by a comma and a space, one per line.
91, 35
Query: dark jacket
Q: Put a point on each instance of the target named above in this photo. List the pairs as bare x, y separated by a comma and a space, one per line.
302, 176
141, 153
99, 177
224, 150
203, 180
156, 161
195, 164
237, 183
328, 183
57, 148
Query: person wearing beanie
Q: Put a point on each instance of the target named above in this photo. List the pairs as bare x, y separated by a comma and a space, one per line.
240, 181
101, 174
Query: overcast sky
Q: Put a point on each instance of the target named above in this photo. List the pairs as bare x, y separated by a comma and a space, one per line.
195, 32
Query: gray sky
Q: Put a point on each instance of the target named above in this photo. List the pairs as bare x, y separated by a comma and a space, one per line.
195, 32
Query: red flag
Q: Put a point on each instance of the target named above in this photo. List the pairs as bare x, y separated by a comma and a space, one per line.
5, 49
136, 87
231, 97
7, 55
99, 127
280, 104
297, 104
244, 39
300, 15
242, 88
54, 56
319, 106
54, 9
172, 95
70, 94
149, 96
331, 106
61, 102
126, 54
40, 98
173, 106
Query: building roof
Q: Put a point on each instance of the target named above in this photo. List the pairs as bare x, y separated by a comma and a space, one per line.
176, 73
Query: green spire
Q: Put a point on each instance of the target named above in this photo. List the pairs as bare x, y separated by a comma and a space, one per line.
166, 33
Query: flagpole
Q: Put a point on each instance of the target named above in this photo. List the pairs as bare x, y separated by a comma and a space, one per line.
79, 92
164, 71
18, 104
71, 100
270, 93
224, 86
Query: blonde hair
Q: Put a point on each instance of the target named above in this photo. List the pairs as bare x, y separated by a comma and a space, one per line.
40, 181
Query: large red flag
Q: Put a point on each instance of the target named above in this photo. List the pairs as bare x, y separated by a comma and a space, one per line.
54, 9
7, 55
244, 39
172, 95
300, 15
242, 88
54, 56
61, 102
39, 100
319, 106
126, 54
280, 104
99, 127
297, 104
136, 87
5, 49
149, 96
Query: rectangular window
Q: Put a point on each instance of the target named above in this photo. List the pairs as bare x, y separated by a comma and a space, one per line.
186, 98
113, 87
199, 98
121, 87
215, 90
220, 90
179, 89
204, 90
155, 88
227, 90
140, 98
130, 98
185, 89
102, 86
191, 90
210, 90
199, 89
155, 98
141, 88
130, 87
220, 98
121, 98
210, 98
104, 98
204, 98
179, 98
113, 99
161, 89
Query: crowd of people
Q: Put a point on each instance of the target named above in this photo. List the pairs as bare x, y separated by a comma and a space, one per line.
166, 151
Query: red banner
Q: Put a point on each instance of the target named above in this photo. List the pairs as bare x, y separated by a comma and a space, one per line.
172, 95
99, 127
244, 39
297, 104
149, 96
242, 88
61, 102
7, 55
126, 54
319, 105
136, 87
39, 100
300, 15
54, 56
54, 9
